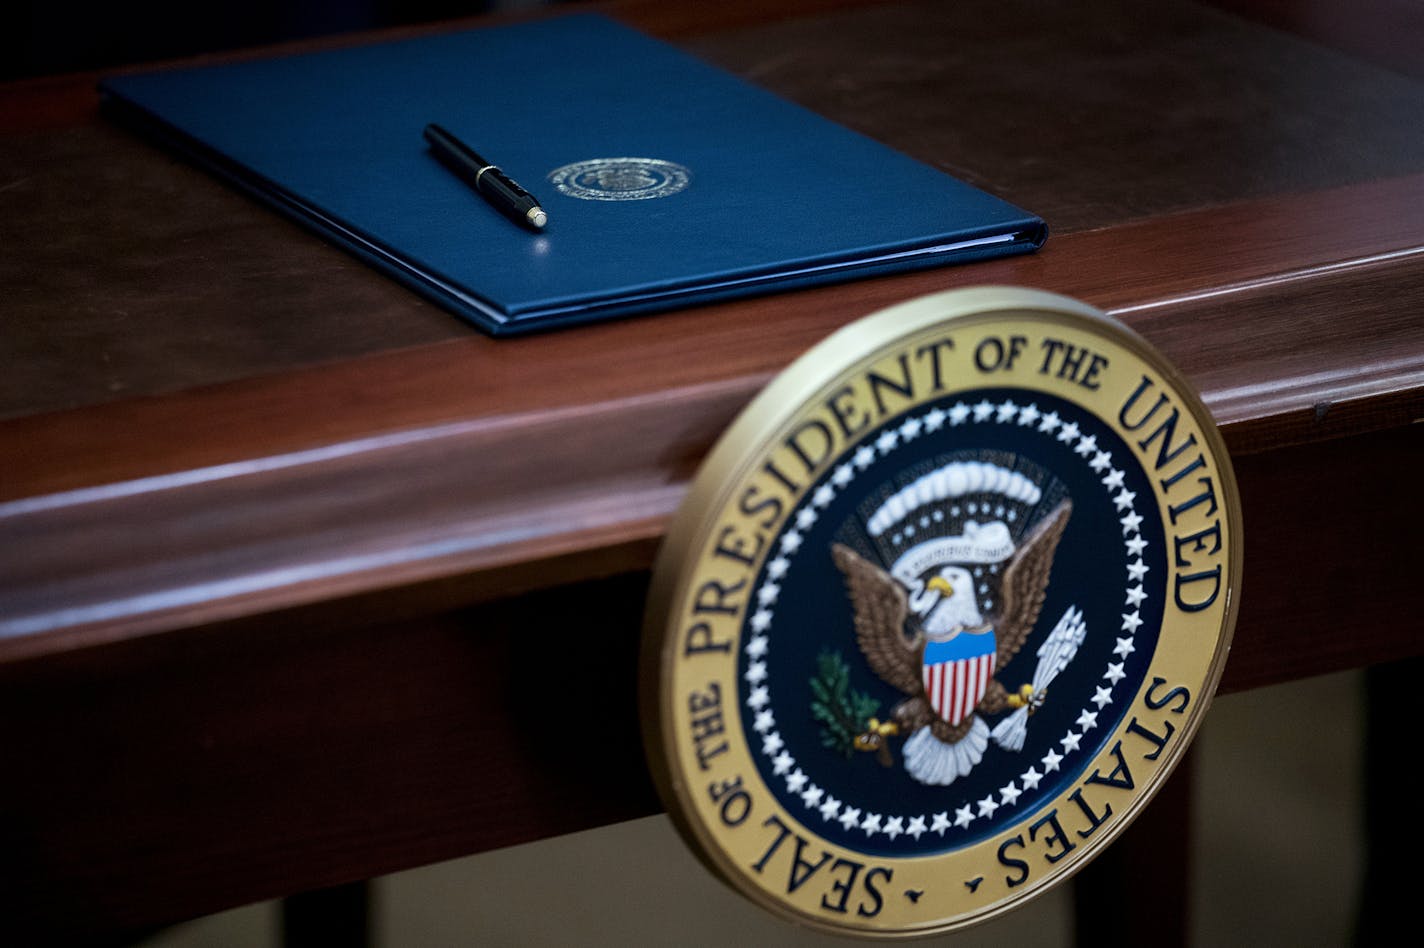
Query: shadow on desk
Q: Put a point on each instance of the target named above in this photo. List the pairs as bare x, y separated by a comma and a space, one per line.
1292, 750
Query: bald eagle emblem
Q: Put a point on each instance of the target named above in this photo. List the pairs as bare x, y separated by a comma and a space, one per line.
932, 640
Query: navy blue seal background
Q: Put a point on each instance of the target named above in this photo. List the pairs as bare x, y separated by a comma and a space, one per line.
1110, 564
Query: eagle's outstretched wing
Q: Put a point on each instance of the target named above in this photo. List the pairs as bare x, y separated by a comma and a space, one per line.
1026, 582
881, 607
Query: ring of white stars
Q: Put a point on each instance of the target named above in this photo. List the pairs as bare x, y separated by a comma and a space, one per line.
965, 813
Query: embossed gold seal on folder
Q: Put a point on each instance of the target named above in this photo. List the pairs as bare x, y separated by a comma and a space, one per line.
940, 613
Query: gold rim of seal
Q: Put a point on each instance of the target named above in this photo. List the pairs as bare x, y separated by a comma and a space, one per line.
747, 442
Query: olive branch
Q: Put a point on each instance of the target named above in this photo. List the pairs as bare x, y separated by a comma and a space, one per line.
844, 713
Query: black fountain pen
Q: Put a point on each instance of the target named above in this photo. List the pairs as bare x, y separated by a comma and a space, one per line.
494, 185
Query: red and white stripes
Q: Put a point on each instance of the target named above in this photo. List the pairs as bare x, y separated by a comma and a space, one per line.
955, 688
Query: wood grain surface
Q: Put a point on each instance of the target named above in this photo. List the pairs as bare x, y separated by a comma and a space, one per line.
129, 273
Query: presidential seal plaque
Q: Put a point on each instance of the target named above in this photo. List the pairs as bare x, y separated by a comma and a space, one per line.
941, 612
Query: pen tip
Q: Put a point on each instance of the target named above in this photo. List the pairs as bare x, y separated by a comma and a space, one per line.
537, 217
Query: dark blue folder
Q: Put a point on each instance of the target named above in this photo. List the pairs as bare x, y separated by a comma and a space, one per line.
757, 194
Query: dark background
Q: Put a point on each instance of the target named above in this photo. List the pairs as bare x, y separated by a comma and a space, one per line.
47, 38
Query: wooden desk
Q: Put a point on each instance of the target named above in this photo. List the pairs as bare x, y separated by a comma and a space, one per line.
277, 539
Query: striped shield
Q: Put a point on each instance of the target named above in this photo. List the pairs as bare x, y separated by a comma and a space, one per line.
957, 672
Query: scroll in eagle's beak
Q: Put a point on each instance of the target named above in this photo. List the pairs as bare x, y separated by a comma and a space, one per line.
940, 584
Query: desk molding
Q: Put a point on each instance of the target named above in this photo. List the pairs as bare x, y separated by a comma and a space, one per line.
398, 470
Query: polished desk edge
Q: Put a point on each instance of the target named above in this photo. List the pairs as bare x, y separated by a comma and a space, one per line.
1264, 305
